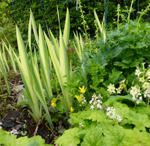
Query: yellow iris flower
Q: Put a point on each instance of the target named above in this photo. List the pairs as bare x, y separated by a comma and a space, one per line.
53, 104
53, 100
96, 50
71, 109
78, 97
82, 90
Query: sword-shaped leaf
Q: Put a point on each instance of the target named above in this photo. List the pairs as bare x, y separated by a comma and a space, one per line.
44, 64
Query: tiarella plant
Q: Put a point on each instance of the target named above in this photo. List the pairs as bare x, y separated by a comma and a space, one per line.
108, 124
8, 139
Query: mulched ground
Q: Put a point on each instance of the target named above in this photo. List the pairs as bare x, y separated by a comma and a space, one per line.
13, 117
16, 120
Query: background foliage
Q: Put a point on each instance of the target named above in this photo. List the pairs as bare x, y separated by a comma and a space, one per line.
49, 9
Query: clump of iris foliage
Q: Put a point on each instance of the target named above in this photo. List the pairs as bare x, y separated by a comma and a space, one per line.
102, 85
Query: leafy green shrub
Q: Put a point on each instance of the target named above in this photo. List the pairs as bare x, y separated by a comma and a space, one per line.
104, 127
8, 32
4, 12
50, 15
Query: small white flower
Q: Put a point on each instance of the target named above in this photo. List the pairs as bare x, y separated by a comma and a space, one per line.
99, 101
142, 79
122, 81
0, 127
1, 123
148, 74
113, 116
99, 106
118, 118
111, 88
145, 85
118, 90
90, 101
108, 109
108, 114
140, 98
97, 97
133, 98
92, 107
137, 72
133, 91
81, 125
138, 101
94, 95
94, 102
100, 96
121, 86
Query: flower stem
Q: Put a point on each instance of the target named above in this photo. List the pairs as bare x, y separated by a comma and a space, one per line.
147, 105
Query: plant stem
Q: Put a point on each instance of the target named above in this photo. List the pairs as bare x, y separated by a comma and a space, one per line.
147, 105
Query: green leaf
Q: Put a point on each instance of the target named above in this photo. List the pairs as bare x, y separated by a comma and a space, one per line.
38, 139
82, 133
118, 98
5, 137
33, 143
114, 135
82, 114
121, 109
25, 141
139, 120
143, 110
123, 65
68, 138
136, 138
140, 45
98, 115
93, 138
74, 120
44, 64
66, 28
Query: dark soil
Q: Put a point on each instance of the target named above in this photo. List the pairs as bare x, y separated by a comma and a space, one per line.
16, 120
14, 117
